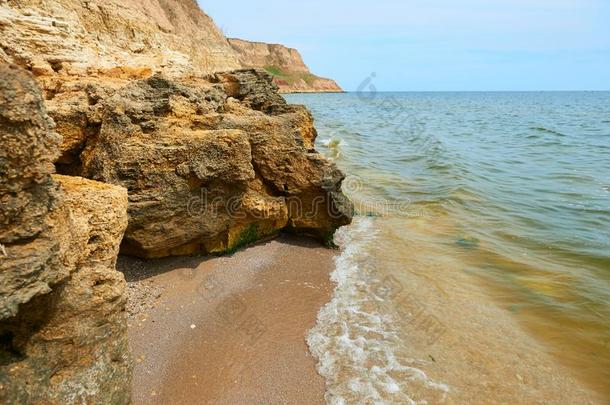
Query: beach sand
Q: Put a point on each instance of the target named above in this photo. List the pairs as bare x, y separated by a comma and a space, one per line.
231, 330
228, 329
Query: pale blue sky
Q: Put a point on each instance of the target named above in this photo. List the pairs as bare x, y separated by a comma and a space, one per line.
436, 44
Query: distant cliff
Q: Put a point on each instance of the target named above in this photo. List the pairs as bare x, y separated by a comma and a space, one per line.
285, 65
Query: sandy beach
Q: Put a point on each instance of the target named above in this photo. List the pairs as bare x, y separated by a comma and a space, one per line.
228, 329
232, 330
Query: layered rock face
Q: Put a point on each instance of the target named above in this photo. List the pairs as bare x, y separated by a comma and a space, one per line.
81, 36
63, 336
260, 54
210, 163
173, 37
285, 65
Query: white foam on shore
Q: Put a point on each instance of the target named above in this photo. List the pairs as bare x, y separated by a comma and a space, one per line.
357, 343
334, 145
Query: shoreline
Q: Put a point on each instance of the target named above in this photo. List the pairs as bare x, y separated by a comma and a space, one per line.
312, 92
233, 329
228, 329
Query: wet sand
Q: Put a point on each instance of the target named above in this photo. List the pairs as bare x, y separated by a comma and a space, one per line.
231, 330
228, 329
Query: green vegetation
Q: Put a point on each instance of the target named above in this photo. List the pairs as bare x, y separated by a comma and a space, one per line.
247, 236
274, 71
309, 78
290, 77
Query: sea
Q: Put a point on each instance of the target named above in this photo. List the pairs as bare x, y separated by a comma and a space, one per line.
510, 191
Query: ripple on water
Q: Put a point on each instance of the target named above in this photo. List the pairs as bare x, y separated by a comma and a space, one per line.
523, 174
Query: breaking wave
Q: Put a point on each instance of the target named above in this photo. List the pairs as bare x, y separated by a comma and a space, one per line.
357, 340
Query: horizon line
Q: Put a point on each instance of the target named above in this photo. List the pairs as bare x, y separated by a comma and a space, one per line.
476, 91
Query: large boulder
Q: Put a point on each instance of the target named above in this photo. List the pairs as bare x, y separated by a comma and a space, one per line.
210, 163
63, 335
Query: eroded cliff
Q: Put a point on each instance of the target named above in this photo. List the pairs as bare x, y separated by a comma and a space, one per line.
170, 36
173, 37
285, 65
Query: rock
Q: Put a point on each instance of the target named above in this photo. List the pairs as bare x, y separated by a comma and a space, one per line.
132, 38
211, 163
260, 54
282, 142
27, 193
63, 336
80, 37
73, 105
285, 65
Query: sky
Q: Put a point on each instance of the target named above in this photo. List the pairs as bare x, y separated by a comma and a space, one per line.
435, 45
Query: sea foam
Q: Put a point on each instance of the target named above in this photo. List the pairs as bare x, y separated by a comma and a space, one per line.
357, 342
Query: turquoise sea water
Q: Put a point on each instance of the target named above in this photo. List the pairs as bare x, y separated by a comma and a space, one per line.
516, 186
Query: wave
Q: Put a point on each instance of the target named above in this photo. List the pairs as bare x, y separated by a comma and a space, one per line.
334, 145
357, 341
547, 131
